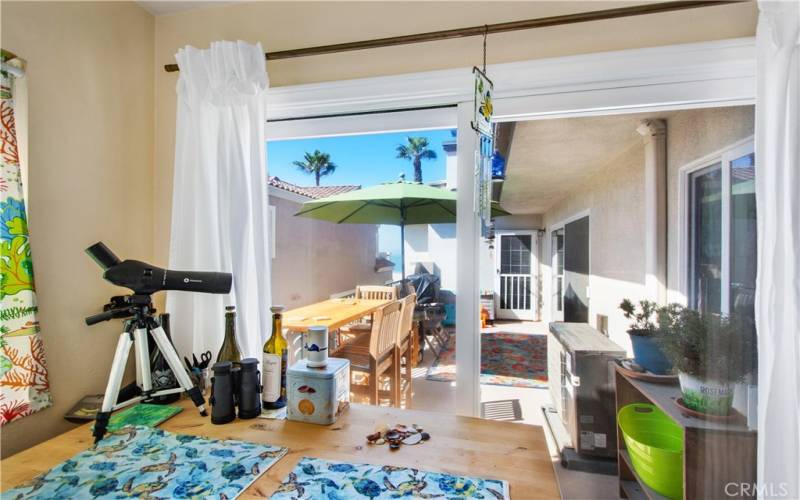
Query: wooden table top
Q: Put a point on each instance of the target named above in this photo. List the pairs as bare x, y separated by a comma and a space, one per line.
333, 313
459, 445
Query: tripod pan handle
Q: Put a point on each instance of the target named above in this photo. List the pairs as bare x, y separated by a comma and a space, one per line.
98, 318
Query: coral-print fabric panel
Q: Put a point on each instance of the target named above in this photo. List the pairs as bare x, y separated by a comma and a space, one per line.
24, 387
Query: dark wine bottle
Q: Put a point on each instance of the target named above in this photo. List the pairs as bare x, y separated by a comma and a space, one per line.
230, 350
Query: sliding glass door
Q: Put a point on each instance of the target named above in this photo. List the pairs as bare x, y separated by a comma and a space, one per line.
706, 239
722, 235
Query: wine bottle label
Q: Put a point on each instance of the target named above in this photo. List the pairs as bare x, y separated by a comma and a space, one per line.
284, 365
272, 377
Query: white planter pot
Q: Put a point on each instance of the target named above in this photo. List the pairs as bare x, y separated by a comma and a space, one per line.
706, 396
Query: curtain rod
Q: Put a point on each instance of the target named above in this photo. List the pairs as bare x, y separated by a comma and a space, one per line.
361, 113
580, 17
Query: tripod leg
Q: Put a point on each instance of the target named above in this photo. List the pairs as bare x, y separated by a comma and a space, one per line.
112, 388
174, 363
143, 362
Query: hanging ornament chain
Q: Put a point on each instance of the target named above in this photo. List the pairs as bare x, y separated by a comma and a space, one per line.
485, 35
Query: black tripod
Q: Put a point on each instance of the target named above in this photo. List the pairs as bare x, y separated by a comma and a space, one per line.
138, 311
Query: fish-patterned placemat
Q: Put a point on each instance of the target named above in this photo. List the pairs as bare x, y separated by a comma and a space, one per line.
144, 462
315, 478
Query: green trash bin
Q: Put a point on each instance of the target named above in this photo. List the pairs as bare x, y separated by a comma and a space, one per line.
655, 445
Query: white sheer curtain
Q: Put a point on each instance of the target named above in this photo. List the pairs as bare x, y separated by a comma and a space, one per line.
778, 283
219, 210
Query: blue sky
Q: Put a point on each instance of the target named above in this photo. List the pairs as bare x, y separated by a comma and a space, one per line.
365, 160
361, 159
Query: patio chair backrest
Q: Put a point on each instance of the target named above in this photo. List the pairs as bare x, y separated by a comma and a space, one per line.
407, 317
376, 292
385, 322
408, 289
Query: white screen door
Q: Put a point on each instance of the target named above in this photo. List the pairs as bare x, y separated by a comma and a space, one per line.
516, 271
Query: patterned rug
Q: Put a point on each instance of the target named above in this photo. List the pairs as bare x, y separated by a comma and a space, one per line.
511, 359
151, 463
314, 478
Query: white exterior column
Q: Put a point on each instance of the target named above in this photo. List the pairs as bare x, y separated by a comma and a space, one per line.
654, 135
468, 341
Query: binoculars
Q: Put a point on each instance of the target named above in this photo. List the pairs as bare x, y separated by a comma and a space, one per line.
235, 386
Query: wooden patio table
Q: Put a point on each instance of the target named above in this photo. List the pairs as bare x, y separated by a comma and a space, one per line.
458, 445
333, 313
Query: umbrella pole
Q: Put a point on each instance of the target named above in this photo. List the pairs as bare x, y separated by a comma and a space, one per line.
403, 250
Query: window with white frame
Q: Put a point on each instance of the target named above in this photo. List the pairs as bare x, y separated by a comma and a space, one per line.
721, 227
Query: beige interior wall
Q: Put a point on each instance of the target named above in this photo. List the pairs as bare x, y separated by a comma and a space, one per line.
615, 201
289, 25
90, 86
314, 259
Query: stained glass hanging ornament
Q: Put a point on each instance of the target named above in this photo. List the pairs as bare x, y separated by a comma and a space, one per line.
484, 88
482, 124
483, 183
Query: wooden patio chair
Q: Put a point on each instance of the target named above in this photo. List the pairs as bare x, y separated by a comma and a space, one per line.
408, 288
374, 355
355, 330
376, 292
403, 351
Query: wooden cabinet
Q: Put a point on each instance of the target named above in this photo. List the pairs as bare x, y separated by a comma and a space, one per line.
715, 453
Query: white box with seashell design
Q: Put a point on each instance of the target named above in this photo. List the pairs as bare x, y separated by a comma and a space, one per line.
318, 395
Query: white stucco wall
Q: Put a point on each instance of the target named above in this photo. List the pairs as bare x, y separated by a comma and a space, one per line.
314, 259
691, 135
437, 243
433, 243
614, 198
615, 202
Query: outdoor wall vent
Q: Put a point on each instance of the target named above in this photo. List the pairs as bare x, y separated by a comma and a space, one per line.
602, 324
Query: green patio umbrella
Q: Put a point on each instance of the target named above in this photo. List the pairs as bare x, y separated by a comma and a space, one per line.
396, 203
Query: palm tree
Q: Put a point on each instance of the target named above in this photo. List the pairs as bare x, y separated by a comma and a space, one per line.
317, 163
416, 150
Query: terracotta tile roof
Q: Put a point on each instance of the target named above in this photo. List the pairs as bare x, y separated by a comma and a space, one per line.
313, 192
383, 263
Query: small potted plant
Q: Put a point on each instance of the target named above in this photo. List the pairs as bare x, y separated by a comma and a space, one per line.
643, 331
712, 353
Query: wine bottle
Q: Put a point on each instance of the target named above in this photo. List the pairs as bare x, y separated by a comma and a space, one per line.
230, 346
274, 365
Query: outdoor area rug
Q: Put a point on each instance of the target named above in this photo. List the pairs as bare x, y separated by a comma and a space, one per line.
511, 359
147, 463
316, 478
